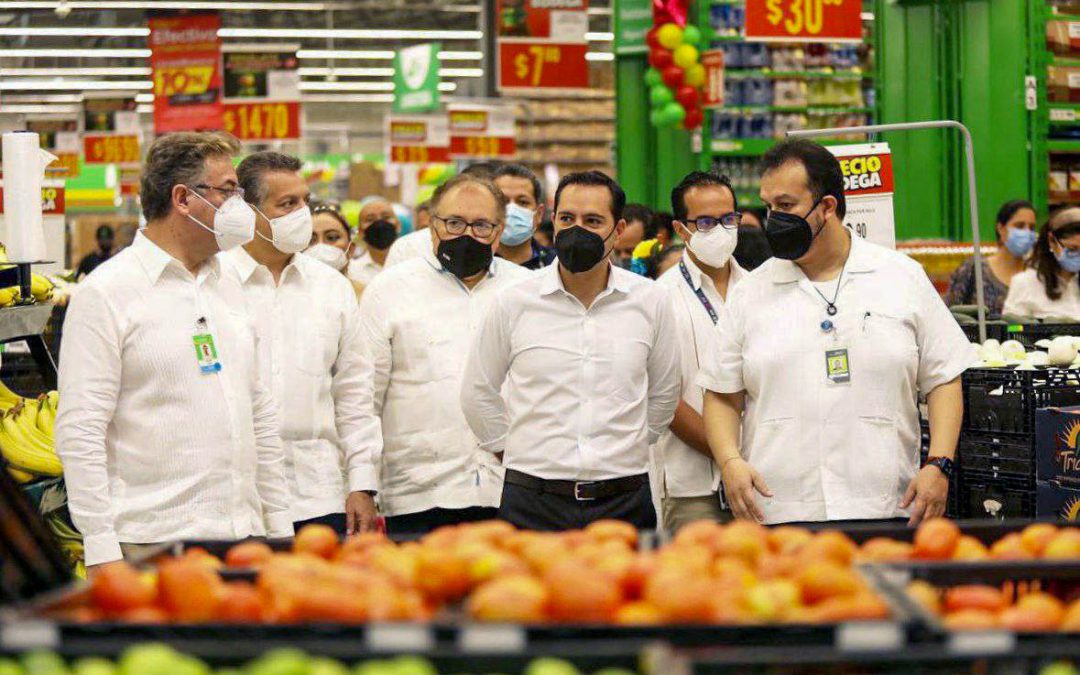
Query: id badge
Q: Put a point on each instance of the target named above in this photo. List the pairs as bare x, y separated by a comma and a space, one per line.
837, 366
206, 353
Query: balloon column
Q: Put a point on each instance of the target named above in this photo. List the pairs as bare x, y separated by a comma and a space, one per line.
675, 76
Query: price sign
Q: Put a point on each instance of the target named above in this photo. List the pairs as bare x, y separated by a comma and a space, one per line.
482, 146
712, 94
65, 166
182, 80
417, 139
804, 20
185, 56
482, 132
52, 201
111, 149
868, 190
542, 44
542, 66
263, 121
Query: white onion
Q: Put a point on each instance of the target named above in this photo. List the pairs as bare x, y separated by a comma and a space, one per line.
1062, 351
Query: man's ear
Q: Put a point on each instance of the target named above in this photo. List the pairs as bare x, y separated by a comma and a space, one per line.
682, 230
179, 197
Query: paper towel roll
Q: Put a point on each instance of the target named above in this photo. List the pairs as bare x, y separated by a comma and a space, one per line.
24, 170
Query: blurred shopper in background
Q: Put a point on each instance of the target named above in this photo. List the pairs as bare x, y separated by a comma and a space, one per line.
668, 258
663, 228
1015, 230
423, 216
419, 318
524, 211
331, 241
545, 233
308, 323
379, 227
1049, 289
588, 357
105, 238
639, 228
161, 442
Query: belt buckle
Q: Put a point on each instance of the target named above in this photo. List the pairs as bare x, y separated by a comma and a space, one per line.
577, 491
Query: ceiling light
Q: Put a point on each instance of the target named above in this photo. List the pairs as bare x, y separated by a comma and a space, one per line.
94, 72
350, 33
76, 53
346, 72
48, 85
361, 86
40, 109
599, 56
79, 31
224, 5
378, 54
42, 98
600, 37
461, 72
349, 98
144, 98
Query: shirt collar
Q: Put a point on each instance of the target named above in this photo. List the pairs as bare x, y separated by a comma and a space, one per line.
861, 259
618, 279
154, 259
696, 275
246, 265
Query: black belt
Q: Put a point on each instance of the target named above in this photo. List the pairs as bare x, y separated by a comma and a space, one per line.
582, 490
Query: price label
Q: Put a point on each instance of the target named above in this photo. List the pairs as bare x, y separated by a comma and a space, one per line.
482, 146
52, 201
804, 20
65, 166
172, 81
418, 154
263, 121
538, 65
111, 149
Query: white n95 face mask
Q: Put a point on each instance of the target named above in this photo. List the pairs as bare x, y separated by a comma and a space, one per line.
331, 255
234, 222
291, 233
714, 248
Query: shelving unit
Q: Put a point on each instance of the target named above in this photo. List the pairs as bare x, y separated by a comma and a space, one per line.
573, 132
1056, 120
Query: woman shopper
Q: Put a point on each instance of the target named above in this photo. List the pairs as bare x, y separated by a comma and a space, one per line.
1015, 237
1050, 289
331, 242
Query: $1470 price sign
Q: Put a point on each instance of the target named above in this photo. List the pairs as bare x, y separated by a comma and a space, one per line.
524, 65
804, 20
263, 121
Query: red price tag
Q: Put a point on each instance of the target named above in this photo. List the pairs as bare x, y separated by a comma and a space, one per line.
52, 201
263, 121
482, 146
525, 65
867, 174
419, 154
111, 149
804, 20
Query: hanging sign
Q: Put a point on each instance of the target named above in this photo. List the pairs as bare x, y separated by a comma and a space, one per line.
804, 20
185, 56
417, 139
112, 131
712, 93
416, 79
542, 44
482, 132
61, 138
52, 200
868, 189
262, 94
633, 19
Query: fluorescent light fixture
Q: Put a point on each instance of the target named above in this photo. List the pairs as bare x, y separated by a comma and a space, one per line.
80, 31
351, 33
460, 56
41, 98
461, 72
380, 72
144, 98
349, 98
599, 56
361, 86
84, 72
600, 37
376, 54
78, 85
129, 4
32, 109
76, 53
145, 109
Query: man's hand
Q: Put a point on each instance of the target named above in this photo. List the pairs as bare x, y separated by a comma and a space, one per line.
360, 513
929, 491
740, 482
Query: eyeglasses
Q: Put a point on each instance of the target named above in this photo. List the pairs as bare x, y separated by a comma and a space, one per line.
729, 221
326, 207
227, 191
480, 228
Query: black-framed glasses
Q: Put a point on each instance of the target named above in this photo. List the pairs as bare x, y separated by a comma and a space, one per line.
227, 191
729, 221
480, 228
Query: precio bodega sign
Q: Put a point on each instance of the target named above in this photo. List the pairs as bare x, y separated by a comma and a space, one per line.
868, 187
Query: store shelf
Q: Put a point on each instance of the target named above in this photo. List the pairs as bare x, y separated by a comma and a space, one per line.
812, 73
565, 141
809, 109
1063, 145
755, 147
1064, 17
1064, 61
26, 320
568, 119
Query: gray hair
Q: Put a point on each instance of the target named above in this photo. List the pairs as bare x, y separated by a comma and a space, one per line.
251, 171
179, 159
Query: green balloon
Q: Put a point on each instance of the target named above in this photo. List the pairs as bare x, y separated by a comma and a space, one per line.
691, 35
673, 113
660, 96
653, 77
656, 119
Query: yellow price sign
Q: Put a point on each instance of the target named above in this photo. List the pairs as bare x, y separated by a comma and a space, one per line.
799, 17
409, 154
529, 65
482, 146
112, 149
262, 120
182, 80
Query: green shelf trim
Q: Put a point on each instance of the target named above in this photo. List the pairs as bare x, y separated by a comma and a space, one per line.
820, 109
755, 147
1064, 17
1063, 145
1064, 61
713, 37
815, 73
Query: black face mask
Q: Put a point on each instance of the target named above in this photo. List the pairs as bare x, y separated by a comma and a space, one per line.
380, 234
580, 250
789, 235
753, 247
464, 256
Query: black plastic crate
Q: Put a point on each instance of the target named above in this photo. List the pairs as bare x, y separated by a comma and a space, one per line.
994, 331
999, 400
1002, 454
1030, 333
997, 496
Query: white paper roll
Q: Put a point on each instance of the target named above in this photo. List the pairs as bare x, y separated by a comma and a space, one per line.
24, 171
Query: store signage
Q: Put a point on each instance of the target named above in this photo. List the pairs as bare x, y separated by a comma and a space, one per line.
416, 79
185, 56
712, 94
542, 44
482, 132
804, 20
130, 181
868, 188
633, 19
417, 139
111, 149
52, 201
262, 94
61, 138
112, 130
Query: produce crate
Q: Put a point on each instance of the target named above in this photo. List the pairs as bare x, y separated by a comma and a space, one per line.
1053, 500
1011, 455
997, 496
1057, 445
1030, 333
1005, 401
994, 331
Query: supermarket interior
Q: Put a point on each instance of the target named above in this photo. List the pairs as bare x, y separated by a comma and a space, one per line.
643, 337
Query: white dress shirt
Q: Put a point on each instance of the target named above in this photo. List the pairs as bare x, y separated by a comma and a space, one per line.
419, 321
413, 245
685, 471
154, 449
363, 269
1027, 297
587, 390
321, 377
835, 450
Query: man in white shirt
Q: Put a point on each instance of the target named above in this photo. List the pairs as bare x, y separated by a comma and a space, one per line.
589, 356
707, 219
161, 441
826, 347
379, 228
419, 318
308, 322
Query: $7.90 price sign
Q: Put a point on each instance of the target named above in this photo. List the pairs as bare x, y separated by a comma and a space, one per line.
263, 121
539, 65
839, 20
529, 67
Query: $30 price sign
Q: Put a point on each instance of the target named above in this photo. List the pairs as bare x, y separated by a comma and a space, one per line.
111, 149
524, 65
804, 20
263, 121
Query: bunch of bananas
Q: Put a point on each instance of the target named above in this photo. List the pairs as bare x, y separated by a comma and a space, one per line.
71, 542
26, 435
40, 286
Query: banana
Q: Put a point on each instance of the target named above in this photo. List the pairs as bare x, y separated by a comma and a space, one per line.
8, 398
23, 448
40, 287
8, 296
54, 400
20, 476
46, 416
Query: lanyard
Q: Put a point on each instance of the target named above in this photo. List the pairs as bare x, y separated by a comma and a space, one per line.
698, 292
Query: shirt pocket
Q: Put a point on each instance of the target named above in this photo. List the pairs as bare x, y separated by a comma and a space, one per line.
317, 470
622, 368
314, 346
884, 362
872, 468
777, 445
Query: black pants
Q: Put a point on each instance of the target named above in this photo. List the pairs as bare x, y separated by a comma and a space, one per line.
534, 510
423, 522
334, 520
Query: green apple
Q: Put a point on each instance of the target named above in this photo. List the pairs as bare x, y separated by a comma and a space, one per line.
325, 666
93, 665
551, 666
44, 663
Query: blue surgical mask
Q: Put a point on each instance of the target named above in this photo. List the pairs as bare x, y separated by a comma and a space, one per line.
1020, 241
519, 225
1069, 260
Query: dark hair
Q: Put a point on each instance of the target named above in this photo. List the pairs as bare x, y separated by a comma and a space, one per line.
1062, 225
470, 179
481, 170
697, 179
251, 171
666, 253
179, 159
824, 175
597, 179
520, 171
104, 232
332, 210
661, 220
1010, 209
424, 206
758, 213
639, 212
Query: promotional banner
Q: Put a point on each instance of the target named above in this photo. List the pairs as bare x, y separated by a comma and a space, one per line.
633, 19
61, 138
416, 79
262, 94
417, 139
868, 188
111, 130
712, 93
542, 44
482, 132
804, 20
185, 56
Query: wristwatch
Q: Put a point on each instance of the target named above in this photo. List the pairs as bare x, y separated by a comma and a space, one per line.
944, 464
